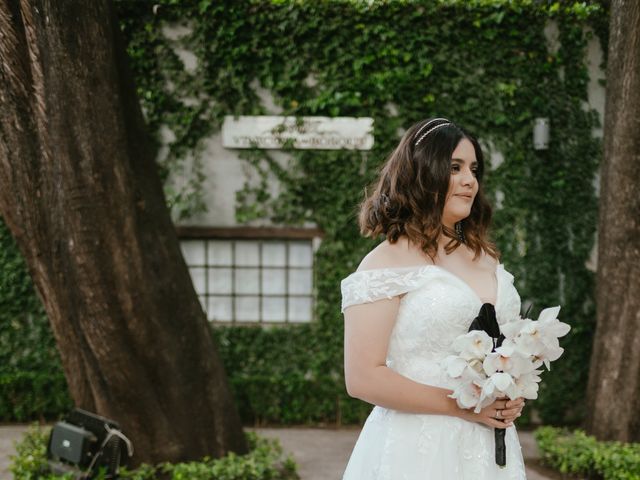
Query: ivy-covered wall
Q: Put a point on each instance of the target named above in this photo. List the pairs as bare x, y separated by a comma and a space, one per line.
484, 63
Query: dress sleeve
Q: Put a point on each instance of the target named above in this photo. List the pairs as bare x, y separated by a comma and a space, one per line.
368, 286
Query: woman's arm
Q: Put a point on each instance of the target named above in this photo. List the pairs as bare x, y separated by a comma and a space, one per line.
367, 331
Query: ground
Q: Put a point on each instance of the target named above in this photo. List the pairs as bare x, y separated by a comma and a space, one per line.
321, 453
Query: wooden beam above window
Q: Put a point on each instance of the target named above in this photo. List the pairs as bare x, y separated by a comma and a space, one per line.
185, 232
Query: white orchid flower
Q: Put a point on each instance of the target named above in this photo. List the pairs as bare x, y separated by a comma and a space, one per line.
511, 329
475, 370
527, 385
459, 368
454, 365
529, 340
507, 348
540, 338
473, 345
551, 329
549, 323
533, 336
497, 385
549, 355
467, 394
495, 362
507, 359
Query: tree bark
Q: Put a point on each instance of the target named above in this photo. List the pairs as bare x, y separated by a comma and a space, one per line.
81, 195
613, 393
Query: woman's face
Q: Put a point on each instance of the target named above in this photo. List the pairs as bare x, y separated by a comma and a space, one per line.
463, 184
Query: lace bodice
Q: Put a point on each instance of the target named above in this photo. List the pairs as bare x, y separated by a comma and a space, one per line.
438, 306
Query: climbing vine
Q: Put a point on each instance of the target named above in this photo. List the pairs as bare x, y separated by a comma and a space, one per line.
486, 64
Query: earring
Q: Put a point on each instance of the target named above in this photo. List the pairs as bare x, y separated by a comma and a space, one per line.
459, 231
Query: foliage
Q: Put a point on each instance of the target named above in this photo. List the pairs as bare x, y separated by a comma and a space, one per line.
581, 454
265, 461
31, 379
296, 382
486, 64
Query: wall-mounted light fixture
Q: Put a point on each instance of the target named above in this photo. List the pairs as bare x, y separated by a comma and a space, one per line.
541, 133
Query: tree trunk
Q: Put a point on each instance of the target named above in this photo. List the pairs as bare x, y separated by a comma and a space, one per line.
81, 195
613, 394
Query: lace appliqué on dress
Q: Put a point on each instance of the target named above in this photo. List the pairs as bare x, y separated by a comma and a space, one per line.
371, 285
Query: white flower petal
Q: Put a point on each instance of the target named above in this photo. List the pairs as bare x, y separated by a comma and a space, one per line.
512, 328
490, 363
501, 380
549, 314
474, 344
454, 366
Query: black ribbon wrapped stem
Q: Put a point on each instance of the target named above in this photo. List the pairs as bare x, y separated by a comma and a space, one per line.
486, 320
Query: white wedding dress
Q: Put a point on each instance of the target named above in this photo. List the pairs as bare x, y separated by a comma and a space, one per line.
438, 306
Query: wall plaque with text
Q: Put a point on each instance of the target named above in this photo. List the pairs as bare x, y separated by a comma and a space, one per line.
317, 133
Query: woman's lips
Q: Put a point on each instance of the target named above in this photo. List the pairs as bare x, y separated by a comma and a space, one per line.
468, 197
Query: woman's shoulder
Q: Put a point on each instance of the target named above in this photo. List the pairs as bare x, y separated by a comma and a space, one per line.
389, 270
387, 255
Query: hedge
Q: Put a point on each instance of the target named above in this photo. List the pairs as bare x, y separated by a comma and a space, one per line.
265, 461
575, 452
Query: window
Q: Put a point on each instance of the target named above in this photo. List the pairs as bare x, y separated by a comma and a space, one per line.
252, 281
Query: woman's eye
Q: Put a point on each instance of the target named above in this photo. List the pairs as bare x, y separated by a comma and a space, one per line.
455, 167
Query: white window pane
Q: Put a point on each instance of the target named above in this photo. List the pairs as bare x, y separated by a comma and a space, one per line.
219, 252
219, 309
247, 309
193, 251
300, 254
197, 277
247, 253
273, 281
203, 302
273, 254
220, 280
273, 309
300, 281
247, 280
299, 309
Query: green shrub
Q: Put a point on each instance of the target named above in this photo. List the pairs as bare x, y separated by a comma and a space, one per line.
28, 395
265, 461
581, 454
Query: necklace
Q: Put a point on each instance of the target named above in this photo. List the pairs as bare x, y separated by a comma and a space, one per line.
460, 232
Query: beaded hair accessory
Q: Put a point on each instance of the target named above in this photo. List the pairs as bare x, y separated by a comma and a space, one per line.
447, 122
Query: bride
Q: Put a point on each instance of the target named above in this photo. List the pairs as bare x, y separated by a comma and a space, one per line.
410, 298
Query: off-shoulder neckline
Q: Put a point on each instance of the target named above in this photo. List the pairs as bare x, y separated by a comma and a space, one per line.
453, 275
415, 267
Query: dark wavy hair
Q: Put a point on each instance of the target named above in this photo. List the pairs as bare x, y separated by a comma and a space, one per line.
409, 195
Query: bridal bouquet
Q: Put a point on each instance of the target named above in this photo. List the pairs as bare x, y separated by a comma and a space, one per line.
494, 361
487, 368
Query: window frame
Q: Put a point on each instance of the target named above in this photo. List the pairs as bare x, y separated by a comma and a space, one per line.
258, 234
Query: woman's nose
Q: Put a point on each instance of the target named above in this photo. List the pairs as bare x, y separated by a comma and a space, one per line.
468, 178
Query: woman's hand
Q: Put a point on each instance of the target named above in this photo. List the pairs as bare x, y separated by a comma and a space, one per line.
501, 413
